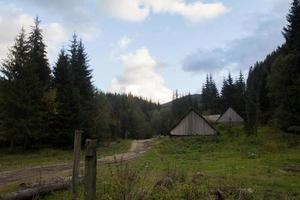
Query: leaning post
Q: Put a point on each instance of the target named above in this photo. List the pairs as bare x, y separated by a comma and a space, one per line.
90, 169
76, 164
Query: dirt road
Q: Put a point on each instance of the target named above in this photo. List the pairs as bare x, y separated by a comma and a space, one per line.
60, 171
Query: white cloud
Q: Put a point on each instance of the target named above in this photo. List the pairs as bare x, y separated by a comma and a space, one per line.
76, 15
87, 32
55, 36
194, 12
122, 44
13, 19
139, 10
128, 10
140, 77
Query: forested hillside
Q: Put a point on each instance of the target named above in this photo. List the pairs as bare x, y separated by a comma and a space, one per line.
271, 93
43, 106
273, 85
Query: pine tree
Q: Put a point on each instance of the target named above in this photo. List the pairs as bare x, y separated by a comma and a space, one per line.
17, 58
251, 104
37, 81
82, 88
283, 80
11, 91
38, 56
283, 83
28, 98
227, 92
64, 120
239, 95
210, 96
205, 95
176, 107
292, 31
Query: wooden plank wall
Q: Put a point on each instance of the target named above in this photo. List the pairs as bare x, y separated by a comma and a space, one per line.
230, 116
193, 124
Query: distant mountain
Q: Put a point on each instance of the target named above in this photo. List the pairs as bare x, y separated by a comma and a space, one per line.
195, 97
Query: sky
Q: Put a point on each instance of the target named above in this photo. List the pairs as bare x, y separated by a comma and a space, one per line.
151, 48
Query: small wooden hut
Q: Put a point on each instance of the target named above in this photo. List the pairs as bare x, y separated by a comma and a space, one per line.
192, 124
230, 116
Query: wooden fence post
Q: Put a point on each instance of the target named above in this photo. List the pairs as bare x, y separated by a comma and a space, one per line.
90, 169
76, 164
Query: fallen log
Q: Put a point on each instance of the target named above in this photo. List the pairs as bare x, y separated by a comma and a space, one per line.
38, 190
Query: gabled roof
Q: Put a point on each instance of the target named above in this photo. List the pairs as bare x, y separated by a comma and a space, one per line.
184, 116
233, 114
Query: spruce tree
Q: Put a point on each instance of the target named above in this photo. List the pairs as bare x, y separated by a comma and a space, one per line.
37, 80
239, 95
251, 104
283, 80
283, 84
12, 93
38, 56
17, 58
292, 31
227, 92
64, 120
210, 96
83, 91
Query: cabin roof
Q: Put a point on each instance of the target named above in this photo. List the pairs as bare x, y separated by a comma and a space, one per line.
187, 113
233, 112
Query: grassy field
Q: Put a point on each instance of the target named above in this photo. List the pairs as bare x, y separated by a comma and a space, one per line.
232, 165
19, 159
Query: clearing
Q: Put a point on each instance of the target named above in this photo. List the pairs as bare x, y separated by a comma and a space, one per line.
10, 180
232, 165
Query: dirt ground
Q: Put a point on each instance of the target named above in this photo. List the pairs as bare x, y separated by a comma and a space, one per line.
26, 177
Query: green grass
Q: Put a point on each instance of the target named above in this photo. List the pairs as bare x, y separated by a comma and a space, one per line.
19, 159
266, 166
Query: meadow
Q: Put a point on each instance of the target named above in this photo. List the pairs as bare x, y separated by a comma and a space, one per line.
232, 165
19, 158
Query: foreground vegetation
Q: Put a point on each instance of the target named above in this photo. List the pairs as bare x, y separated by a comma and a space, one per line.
35, 158
232, 165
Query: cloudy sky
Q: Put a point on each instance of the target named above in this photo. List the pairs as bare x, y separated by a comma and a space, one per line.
153, 47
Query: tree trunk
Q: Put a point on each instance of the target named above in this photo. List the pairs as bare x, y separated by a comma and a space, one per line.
40, 190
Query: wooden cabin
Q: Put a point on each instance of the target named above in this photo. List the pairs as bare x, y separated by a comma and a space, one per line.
192, 124
230, 116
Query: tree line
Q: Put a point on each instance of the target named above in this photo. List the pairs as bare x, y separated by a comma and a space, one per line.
43, 106
211, 101
273, 85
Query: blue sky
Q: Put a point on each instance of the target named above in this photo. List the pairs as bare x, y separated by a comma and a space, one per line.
153, 47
